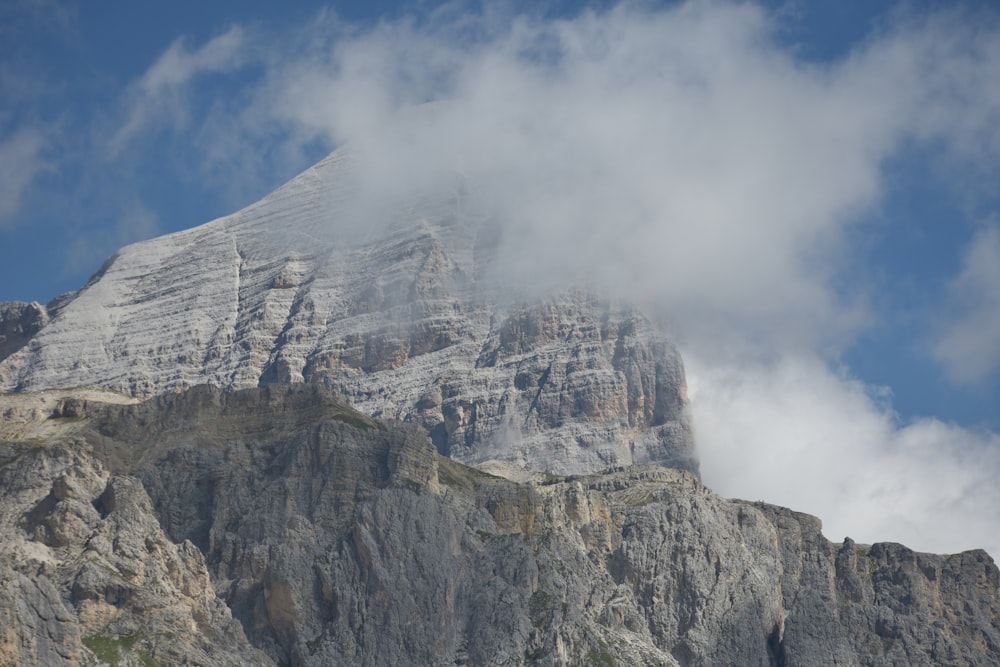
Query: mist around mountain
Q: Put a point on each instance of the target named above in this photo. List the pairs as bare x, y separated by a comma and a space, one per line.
414, 319
805, 197
426, 402
209, 495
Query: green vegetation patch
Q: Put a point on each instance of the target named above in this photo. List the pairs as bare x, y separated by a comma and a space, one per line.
313, 645
118, 651
458, 476
600, 657
540, 608
358, 421
638, 497
415, 487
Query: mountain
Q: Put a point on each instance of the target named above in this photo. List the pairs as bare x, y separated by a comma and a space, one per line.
337, 429
18, 323
406, 316
278, 526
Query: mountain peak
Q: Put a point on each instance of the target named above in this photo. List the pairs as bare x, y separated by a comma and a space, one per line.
396, 303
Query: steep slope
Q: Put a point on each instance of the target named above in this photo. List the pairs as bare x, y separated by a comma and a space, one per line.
391, 305
365, 547
87, 574
19, 321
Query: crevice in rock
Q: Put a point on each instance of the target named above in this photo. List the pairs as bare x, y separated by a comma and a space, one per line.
36, 515
105, 503
541, 386
776, 648
439, 437
19, 322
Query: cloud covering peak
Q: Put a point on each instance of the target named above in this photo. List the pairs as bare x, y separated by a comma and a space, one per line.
682, 156
689, 157
690, 160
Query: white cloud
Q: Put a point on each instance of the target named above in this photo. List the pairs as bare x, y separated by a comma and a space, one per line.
796, 434
678, 155
681, 156
161, 94
687, 160
21, 160
970, 345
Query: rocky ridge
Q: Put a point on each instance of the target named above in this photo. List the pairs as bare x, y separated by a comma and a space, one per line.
19, 321
130, 532
405, 315
89, 577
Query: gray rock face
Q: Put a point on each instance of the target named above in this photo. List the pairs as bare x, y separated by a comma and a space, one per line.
339, 540
87, 574
883, 604
401, 318
19, 321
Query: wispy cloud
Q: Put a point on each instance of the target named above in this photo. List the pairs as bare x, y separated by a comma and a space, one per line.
161, 95
133, 222
51, 15
29, 137
969, 347
685, 159
681, 156
21, 160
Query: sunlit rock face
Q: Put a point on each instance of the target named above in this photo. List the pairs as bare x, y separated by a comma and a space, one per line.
401, 305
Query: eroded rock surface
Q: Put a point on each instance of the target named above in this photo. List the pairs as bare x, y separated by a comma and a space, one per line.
410, 320
335, 539
19, 321
87, 574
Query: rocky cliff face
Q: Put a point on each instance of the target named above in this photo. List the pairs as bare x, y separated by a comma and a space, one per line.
19, 321
406, 317
88, 576
334, 539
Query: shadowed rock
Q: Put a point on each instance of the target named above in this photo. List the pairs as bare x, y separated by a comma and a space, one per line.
335, 539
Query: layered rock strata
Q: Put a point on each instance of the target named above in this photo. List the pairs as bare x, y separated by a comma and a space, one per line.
335, 539
19, 321
88, 577
406, 315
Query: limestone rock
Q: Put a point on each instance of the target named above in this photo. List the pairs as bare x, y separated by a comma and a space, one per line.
335, 539
19, 321
48, 415
883, 604
409, 320
86, 572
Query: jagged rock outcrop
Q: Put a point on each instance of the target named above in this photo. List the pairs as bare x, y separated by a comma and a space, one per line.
42, 416
88, 576
405, 314
19, 321
882, 604
336, 539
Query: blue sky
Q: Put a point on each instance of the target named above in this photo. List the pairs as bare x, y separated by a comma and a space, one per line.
122, 121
